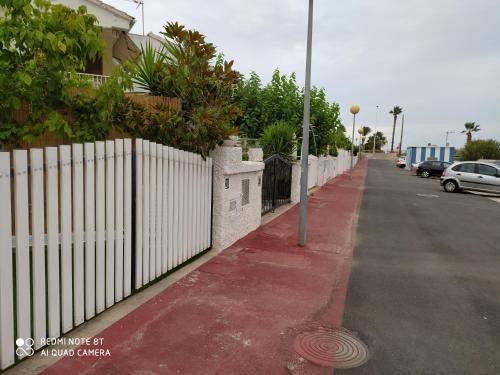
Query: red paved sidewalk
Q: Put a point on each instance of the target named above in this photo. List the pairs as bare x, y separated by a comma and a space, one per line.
240, 312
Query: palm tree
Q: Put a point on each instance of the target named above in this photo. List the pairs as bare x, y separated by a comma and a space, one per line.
396, 111
364, 131
470, 127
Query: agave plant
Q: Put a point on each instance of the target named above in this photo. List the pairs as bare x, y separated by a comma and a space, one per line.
149, 69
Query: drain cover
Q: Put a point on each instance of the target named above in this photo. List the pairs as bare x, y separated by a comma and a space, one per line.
331, 347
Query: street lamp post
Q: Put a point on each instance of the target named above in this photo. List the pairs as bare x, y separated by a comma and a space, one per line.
354, 110
305, 132
448, 132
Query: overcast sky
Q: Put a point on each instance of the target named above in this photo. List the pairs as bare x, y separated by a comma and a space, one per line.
439, 60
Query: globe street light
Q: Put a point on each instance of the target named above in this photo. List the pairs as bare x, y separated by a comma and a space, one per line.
354, 110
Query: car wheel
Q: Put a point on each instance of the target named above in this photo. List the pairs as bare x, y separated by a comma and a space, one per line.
426, 174
450, 186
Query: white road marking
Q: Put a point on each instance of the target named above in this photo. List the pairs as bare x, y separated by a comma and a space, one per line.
428, 195
495, 200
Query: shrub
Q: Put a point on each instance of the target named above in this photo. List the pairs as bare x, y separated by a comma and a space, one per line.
279, 138
481, 149
189, 68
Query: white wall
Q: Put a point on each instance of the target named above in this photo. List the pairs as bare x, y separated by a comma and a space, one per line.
231, 219
108, 16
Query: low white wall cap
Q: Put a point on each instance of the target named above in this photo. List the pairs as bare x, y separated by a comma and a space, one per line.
244, 167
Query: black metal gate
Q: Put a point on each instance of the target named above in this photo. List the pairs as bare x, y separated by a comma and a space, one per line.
276, 183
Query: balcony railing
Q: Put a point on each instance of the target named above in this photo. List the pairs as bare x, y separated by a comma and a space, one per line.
96, 79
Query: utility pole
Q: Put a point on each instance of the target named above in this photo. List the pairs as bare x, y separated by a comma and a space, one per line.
305, 132
401, 140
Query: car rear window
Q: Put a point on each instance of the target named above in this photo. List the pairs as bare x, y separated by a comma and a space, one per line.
466, 167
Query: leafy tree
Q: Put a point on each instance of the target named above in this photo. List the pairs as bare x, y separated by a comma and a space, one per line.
325, 121
470, 127
280, 100
481, 149
189, 68
380, 141
395, 112
279, 138
42, 46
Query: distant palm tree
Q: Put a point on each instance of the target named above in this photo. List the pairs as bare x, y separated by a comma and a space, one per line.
470, 127
396, 111
364, 131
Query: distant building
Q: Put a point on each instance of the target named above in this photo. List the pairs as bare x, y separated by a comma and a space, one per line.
418, 154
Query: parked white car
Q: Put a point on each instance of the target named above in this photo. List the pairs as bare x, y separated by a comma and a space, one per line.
472, 175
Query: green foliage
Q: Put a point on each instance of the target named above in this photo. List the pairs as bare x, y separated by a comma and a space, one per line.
481, 149
395, 112
470, 127
380, 141
282, 100
363, 132
188, 68
41, 45
148, 66
279, 138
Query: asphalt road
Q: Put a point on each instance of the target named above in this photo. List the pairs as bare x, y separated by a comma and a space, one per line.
424, 292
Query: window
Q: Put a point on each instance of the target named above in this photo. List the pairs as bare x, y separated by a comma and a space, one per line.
245, 192
445, 164
466, 167
436, 164
486, 170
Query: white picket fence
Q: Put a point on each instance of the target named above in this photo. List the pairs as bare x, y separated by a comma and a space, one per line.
84, 225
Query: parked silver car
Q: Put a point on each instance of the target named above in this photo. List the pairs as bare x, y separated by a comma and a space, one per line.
472, 175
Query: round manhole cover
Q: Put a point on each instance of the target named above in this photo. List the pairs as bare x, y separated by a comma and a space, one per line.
331, 347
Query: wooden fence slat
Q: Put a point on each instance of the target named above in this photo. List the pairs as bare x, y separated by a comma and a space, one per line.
89, 230
127, 224
66, 239
100, 224
191, 217
177, 248
203, 202
186, 217
165, 208
200, 186
53, 271
199, 212
110, 223
208, 206
145, 213
78, 246
38, 246
152, 212
119, 159
159, 208
182, 205
170, 219
7, 355
138, 212
22, 244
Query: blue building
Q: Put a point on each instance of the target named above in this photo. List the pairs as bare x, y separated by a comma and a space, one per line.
418, 154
